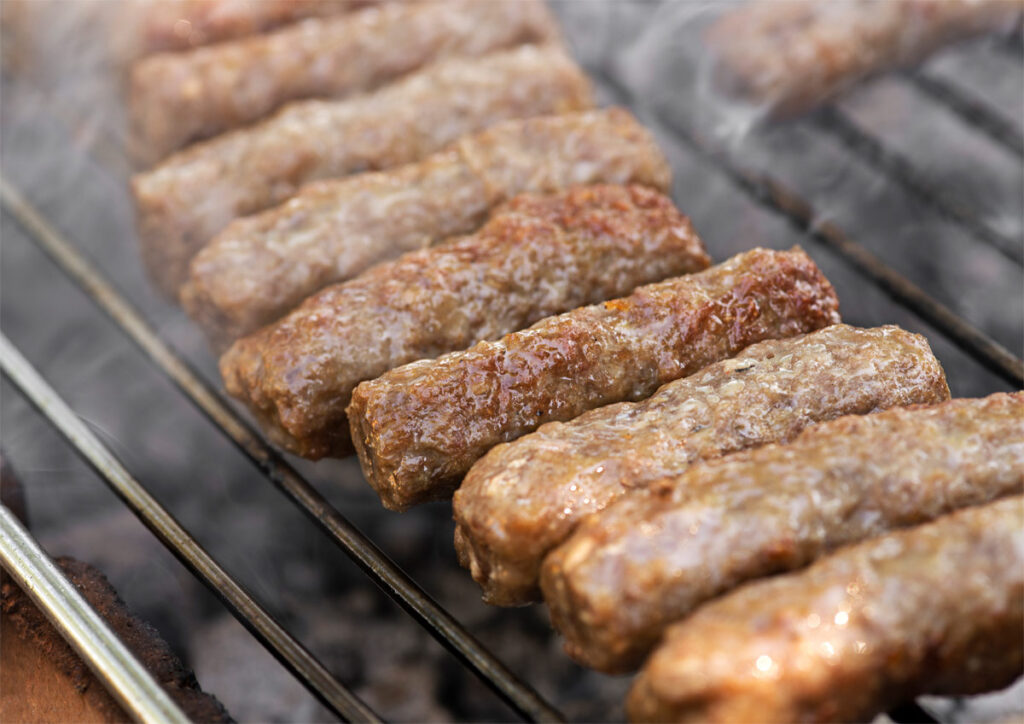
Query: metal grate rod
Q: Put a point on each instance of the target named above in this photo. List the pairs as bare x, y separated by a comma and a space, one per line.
775, 196
382, 570
127, 680
833, 122
970, 110
289, 651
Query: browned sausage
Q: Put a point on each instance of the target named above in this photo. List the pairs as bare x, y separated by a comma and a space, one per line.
419, 428
648, 560
936, 609
538, 256
183, 202
526, 497
176, 98
183, 24
261, 267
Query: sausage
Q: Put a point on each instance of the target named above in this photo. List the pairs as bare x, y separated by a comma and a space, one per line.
935, 609
182, 24
652, 557
261, 267
183, 202
419, 428
537, 256
176, 98
526, 497
791, 55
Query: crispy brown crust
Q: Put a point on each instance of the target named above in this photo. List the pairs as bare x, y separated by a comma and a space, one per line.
419, 428
791, 55
182, 203
140, 638
176, 98
540, 255
652, 557
183, 24
935, 609
524, 498
261, 267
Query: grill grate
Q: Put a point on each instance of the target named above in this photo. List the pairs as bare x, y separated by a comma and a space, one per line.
765, 189
774, 195
385, 573
971, 111
894, 165
171, 534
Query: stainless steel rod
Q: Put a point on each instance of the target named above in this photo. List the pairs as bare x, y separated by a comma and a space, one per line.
125, 678
299, 660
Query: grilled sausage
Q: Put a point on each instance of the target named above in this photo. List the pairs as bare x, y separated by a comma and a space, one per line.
112, 35
791, 55
261, 267
419, 428
526, 497
935, 609
538, 256
652, 557
182, 203
176, 98
183, 24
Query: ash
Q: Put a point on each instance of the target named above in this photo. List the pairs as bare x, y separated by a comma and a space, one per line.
62, 133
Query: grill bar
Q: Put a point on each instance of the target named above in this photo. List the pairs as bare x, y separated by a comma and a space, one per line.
262, 625
777, 197
832, 121
774, 195
970, 110
384, 572
38, 576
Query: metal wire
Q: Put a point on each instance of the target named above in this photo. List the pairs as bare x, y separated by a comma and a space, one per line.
384, 572
127, 680
777, 197
969, 338
830, 120
289, 651
970, 110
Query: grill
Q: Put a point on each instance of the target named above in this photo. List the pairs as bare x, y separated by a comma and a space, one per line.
907, 192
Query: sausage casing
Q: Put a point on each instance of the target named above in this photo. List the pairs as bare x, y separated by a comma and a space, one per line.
537, 256
935, 609
791, 55
524, 498
419, 428
176, 98
184, 201
261, 267
182, 24
652, 557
